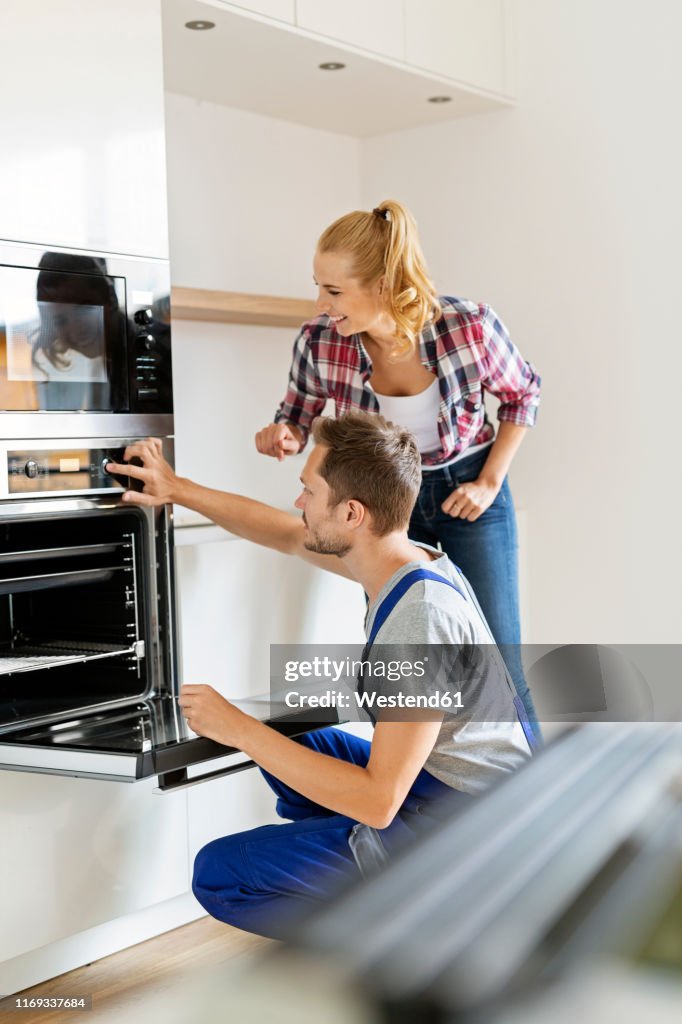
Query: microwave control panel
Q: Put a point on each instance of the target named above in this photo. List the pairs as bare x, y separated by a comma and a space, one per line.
42, 471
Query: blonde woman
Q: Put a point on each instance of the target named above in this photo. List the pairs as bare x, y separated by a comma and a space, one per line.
385, 342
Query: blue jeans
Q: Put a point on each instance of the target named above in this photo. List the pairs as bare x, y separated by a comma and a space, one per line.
487, 553
266, 879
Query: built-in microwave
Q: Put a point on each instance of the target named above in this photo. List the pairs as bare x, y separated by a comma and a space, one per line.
81, 332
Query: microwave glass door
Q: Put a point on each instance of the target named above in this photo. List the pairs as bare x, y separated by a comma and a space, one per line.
63, 338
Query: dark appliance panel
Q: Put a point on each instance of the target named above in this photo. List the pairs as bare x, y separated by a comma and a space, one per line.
83, 332
79, 625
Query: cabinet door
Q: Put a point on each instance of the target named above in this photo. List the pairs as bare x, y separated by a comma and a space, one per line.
461, 39
281, 10
81, 108
375, 26
76, 854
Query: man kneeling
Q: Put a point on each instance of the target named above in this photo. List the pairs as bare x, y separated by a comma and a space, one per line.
349, 802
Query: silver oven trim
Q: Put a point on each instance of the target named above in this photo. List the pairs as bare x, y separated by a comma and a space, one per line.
38, 248
38, 426
74, 441
23, 509
93, 764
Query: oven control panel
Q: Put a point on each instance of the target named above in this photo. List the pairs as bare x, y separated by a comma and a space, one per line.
148, 357
42, 471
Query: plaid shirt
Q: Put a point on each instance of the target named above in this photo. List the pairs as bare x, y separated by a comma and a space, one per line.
468, 349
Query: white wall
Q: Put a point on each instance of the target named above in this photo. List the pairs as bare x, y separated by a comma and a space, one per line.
564, 215
248, 197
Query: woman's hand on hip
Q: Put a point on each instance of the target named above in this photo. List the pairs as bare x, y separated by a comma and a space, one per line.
470, 500
278, 440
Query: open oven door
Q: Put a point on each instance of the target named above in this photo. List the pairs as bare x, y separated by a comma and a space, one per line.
88, 653
146, 739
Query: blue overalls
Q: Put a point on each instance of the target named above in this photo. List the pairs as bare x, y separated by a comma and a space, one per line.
264, 879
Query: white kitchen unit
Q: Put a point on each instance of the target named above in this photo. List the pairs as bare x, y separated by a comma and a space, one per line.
465, 40
468, 42
280, 10
81, 107
88, 866
375, 26
80, 853
250, 62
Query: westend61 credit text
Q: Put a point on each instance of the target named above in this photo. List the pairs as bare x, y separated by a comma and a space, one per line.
371, 700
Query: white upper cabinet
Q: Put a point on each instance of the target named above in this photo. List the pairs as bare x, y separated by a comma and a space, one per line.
466, 40
281, 10
81, 107
396, 55
375, 25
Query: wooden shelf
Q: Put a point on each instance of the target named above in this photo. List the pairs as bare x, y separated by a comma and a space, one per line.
239, 308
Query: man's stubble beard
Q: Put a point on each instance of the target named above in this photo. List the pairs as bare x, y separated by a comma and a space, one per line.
327, 546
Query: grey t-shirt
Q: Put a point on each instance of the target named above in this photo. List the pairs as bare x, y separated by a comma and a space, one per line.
477, 746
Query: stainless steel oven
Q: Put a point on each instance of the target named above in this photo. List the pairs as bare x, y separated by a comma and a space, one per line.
88, 641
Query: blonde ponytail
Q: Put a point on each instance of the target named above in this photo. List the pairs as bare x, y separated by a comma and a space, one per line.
384, 243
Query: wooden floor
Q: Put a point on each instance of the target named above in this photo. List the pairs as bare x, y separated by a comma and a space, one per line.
126, 986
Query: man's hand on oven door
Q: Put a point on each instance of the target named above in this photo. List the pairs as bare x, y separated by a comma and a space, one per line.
209, 714
151, 469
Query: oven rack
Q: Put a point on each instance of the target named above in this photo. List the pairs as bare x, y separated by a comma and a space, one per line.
70, 551
46, 581
35, 657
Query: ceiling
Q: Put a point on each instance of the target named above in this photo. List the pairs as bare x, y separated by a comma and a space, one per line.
266, 68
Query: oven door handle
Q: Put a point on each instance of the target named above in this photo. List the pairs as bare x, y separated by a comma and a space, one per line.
172, 781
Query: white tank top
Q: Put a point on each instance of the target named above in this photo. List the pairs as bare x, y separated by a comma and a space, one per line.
417, 413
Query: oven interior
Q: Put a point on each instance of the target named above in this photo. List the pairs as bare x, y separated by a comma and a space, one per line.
72, 613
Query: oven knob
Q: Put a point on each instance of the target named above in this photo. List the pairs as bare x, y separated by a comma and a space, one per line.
31, 468
143, 317
104, 463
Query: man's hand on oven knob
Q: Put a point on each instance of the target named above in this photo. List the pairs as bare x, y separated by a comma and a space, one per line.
159, 481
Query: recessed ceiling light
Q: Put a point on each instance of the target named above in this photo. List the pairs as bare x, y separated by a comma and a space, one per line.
200, 26
331, 65
439, 99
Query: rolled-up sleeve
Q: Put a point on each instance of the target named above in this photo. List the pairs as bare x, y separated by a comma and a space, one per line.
305, 397
507, 375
